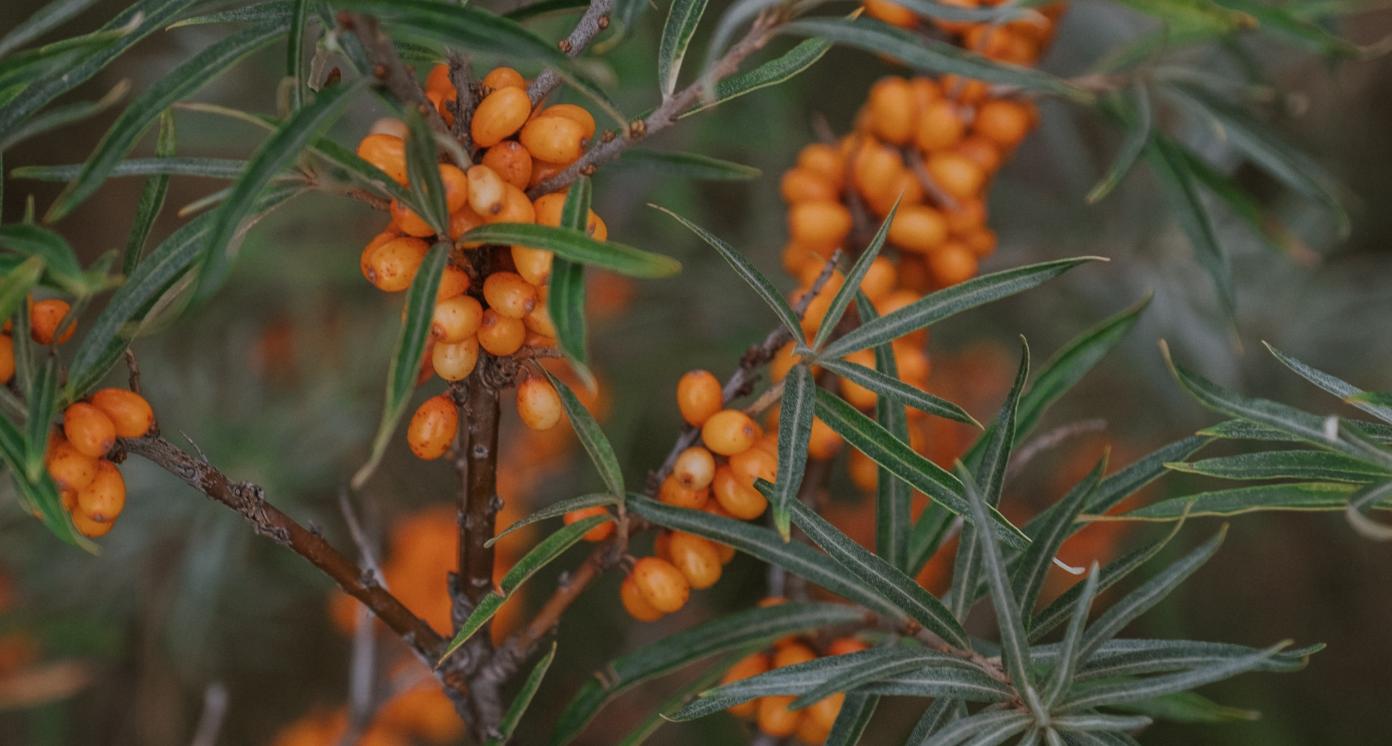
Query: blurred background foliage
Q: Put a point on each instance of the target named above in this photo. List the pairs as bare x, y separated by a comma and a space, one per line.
279, 382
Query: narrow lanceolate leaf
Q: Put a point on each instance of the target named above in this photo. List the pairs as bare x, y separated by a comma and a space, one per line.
423, 171
40, 494
294, 54
537, 557
726, 633
50, 16
1067, 662
138, 20
1143, 598
892, 499
942, 711
43, 407
870, 438
1134, 114
276, 12
656, 717
1180, 185
746, 271
136, 119
683, 16
1186, 16
1112, 693
903, 660
565, 301
1334, 385
893, 388
900, 591
60, 261
545, 7
1360, 501
947, 302
1327, 432
578, 247
1098, 722
406, 358
1033, 567
591, 437
1120, 658
1014, 644
1189, 707
513, 717
16, 283
62, 116
988, 14
856, 712
794, 430
996, 725
930, 55
687, 165
213, 168
1300, 497
762, 544
1303, 465
778, 70
1135, 477
851, 285
361, 171
151, 198
282, 148
1287, 22
555, 510
1244, 430
990, 476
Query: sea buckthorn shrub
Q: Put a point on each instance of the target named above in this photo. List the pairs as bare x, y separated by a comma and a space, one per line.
811, 528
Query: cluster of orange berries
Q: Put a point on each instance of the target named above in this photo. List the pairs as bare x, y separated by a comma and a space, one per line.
1019, 42
92, 488
46, 327
771, 715
421, 714
518, 146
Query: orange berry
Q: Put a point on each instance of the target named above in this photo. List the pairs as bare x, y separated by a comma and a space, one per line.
844, 645
511, 161
966, 216
753, 464
820, 225
878, 171
824, 442
438, 81
453, 282
891, 13
891, 105
673, 493
879, 279
747, 667
939, 126
407, 221
462, 221
387, 153
728, 432
456, 319
538, 404
392, 266
803, 185
661, 584
635, 604
45, 317
487, 190
596, 534
89, 430
7, 359
952, 263
981, 241
553, 138
792, 654
498, 115
956, 174
539, 321
128, 411
577, 114
918, 228
823, 159
823, 712
70, 468
433, 427
981, 151
533, 264
509, 294
809, 731
455, 361
694, 468
737, 498
696, 559
501, 335
456, 184
503, 77
89, 527
105, 496
775, 719
699, 396
516, 207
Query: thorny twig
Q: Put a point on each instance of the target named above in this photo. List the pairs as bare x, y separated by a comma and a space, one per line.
594, 20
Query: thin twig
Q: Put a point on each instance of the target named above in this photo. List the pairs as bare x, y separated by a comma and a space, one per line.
214, 712
594, 20
389, 69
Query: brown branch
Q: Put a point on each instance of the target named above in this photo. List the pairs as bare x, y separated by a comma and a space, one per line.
388, 68
594, 20
667, 113
462, 78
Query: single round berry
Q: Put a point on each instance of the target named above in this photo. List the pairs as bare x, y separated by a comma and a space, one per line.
577, 114
662, 585
392, 266
500, 335
509, 294
503, 77
387, 153
596, 534
635, 604
455, 361
729, 431
105, 496
129, 412
694, 468
498, 115
45, 317
696, 558
511, 161
70, 468
90, 528
698, 396
433, 427
775, 719
673, 493
7, 359
737, 498
538, 404
88, 429
747, 667
553, 138
456, 319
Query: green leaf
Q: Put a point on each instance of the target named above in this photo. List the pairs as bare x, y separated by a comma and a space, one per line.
278, 151
687, 692
1099, 722
142, 17
1136, 116
61, 116
136, 119
1180, 186
537, 557
747, 272
592, 438
909, 599
930, 55
1294, 497
43, 408
1202, 16
725, 633
948, 302
565, 301
1303, 465
361, 171
213, 168
1033, 567
1014, 644
294, 54
1065, 666
60, 261
555, 510
687, 165
275, 12
41, 493
1189, 707
16, 283
1144, 597
1244, 430
578, 247
794, 430
1334, 385
990, 726
1119, 658
892, 499
987, 14
513, 717
19, 70
850, 286
1135, 477
867, 671
423, 173
870, 438
406, 358
852, 720
1111, 693
52, 15
151, 198
762, 544
942, 711
1283, 21
683, 17
1372, 495
966, 683
778, 70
